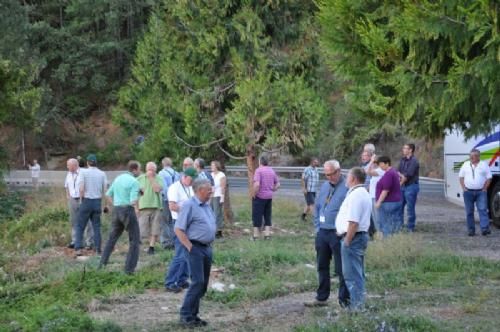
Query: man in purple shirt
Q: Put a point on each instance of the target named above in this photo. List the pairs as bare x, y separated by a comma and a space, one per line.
265, 183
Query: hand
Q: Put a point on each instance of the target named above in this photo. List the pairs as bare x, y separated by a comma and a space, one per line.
377, 205
105, 210
374, 158
189, 247
347, 244
150, 174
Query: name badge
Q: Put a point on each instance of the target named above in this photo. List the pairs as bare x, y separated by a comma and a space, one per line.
321, 218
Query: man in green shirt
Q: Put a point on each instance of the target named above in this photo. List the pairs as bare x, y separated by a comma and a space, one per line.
123, 195
150, 205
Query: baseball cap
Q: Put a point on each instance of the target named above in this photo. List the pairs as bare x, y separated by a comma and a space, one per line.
92, 157
190, 171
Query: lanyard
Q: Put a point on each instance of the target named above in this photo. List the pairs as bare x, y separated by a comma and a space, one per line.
329, 197
188, 192
354, 188
74, 180
473, 170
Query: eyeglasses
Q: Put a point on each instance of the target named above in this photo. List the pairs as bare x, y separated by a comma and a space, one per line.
333, 173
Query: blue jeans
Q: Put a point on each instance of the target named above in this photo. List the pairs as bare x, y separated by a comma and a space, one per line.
200, 262
167, 227
177, 272
409, 194
327, 246
90, 209
390, 218
481, 200
353, 268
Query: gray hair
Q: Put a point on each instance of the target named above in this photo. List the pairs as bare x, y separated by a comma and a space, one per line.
151, 164
200, 183
370, 148
73, 161
200, 162
166, 162
476, 151
332, 163
358, 173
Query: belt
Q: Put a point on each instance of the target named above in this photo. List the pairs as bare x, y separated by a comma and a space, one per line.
76, 198
357, 233
198, 243
328, 230
474, 189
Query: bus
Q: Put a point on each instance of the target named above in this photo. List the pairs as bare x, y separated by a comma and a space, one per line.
456, 152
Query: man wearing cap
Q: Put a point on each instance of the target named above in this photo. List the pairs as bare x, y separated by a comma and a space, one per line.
179, 193
92, 185
195, 228
123, 194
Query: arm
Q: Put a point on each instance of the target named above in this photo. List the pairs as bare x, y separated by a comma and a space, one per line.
256, 187
462, 183
486, 185
173, 206
157, 186
181, 235
276, 183
351, 231
317, 209
303, 182
382, 198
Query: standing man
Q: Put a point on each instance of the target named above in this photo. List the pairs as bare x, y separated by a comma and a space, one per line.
309, 182
408, 174
366, 163
199, 165
176, 276
123, 194
73, 197
328, 202
265, 183
353, 222
475, 178
150, 205
187, 163
35, 173
195, 229
92, 185
169, 176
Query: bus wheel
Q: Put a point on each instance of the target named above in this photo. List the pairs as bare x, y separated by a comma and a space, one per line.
495, 204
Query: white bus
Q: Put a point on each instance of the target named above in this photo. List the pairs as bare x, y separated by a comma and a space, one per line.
456, 152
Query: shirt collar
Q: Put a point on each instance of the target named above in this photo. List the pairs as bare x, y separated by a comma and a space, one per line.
197, 200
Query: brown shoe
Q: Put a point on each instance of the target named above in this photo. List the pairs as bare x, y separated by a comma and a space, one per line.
316, 303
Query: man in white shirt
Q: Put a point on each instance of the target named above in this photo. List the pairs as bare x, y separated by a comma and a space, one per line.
73, 196
35, 173
352, 224
475, 178
178, 193
92, 184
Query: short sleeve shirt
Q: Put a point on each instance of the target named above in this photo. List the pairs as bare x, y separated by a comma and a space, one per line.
311, 178
71, 184
197, 220
179, 194
124, 190
218, 190
390, 182
267, 179
475, 176
150, 199
35, 171
94, 182
357, 207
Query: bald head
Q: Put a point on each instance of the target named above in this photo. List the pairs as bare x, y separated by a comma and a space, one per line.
72, 164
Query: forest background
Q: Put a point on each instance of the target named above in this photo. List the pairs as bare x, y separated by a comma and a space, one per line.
223, 79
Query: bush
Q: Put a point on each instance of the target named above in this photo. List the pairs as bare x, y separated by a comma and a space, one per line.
12, 205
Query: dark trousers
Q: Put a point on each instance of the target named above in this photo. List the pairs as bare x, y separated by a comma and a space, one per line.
327, 246
90, 209
261, 209
200, 262
124, 218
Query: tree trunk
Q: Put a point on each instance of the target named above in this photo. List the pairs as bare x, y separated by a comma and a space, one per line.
228, 212
252, 164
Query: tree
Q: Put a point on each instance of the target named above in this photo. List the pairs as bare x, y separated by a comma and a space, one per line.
430, 65
238, 77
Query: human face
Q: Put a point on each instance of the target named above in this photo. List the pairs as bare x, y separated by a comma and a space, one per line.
186, 164
365, 157
71, 166
350, 180
406, 151
213, 168
187, 180
315, 163
332, 174
474, 157
383, 165
204, 193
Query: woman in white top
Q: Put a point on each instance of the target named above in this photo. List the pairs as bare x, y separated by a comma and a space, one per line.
217, 201
375, 173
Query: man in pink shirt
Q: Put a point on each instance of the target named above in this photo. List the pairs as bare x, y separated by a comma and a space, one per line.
265, 183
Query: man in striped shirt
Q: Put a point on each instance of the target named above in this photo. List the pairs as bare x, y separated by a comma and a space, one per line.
310, 179
92, 185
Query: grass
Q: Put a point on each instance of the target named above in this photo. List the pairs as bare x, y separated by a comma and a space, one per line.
411, 286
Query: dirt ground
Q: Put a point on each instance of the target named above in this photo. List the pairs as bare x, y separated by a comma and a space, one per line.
439, 222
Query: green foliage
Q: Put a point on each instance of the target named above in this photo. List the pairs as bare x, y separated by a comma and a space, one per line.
429, 65
225, 72
12, 205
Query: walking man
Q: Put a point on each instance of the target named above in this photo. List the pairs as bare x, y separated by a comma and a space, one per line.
169, 176
92, 185
475, 178
328, 202
176, 277
353, 222
309, 181
265, 183
123, 195
150, 205
195, 229
408, 174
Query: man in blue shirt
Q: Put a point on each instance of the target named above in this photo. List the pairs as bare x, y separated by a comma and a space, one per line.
195, 228
408, 173
327, 205
123, 194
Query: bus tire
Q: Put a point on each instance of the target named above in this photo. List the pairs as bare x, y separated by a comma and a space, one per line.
494, 203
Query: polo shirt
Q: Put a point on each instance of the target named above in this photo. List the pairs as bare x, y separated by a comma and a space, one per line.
150, 199
357, 207
179, 194
124, 190
475, 176
197, 220
267, 179
71, 184
94, 182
